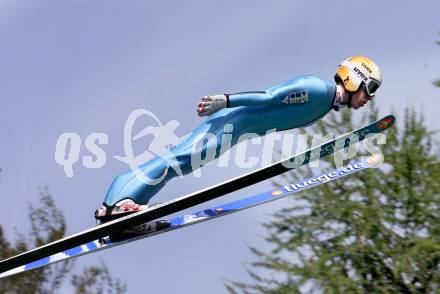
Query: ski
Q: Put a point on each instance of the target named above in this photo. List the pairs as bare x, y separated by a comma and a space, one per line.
206, 214
195, 198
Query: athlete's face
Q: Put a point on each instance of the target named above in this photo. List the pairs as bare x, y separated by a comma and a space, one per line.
360, 98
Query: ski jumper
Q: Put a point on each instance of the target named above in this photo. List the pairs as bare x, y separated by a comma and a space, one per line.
293, 104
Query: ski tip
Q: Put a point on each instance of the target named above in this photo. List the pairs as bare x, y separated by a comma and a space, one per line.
374, 160
386, 122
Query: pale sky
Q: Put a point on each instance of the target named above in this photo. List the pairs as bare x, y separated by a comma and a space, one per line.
84, 66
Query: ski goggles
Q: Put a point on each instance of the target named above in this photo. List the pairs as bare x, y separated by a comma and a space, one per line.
371, 87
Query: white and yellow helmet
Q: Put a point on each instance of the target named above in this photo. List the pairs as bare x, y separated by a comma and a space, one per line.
358, 71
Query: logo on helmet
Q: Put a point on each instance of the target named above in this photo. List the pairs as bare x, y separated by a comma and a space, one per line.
361, 74
367, 68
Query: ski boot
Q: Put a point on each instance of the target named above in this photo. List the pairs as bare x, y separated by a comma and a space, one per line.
124, 208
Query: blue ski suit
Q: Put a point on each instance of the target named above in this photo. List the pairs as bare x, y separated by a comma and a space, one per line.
293, 104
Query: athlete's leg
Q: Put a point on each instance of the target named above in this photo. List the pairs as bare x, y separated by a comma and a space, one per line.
141, 185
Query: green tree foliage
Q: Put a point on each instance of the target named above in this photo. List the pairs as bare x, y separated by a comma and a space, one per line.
375, 231
48, 224
96, 280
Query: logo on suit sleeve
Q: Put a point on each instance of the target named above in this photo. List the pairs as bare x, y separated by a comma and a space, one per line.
299, 97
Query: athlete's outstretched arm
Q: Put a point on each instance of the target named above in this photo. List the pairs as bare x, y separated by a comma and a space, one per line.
250, 99
274, 95
212, 104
